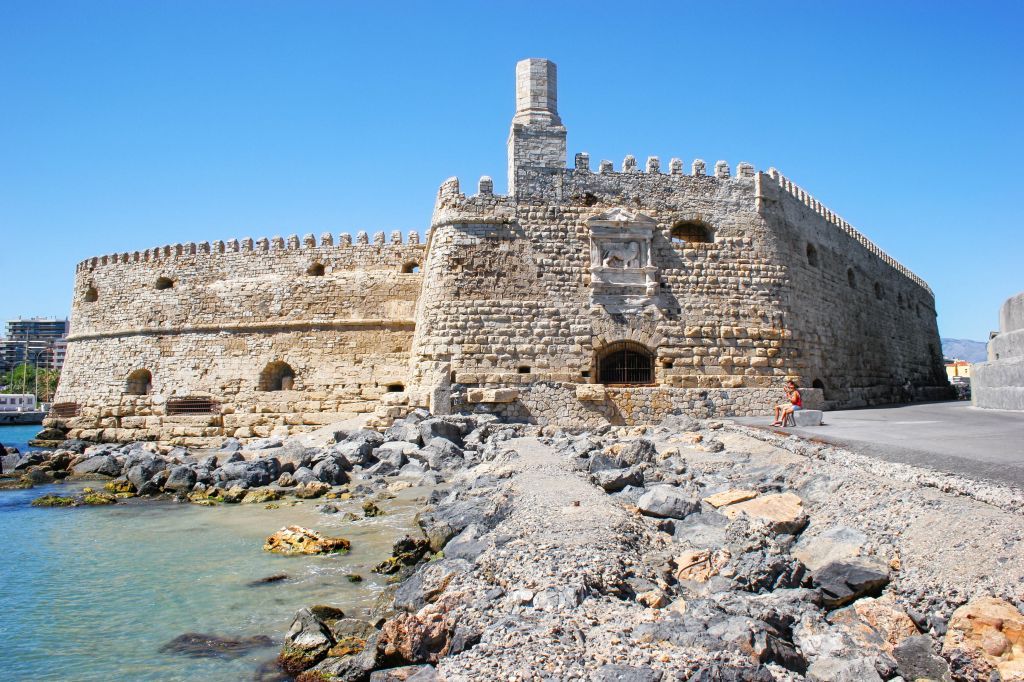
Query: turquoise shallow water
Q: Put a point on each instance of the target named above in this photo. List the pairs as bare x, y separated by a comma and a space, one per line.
93, 593
19, 436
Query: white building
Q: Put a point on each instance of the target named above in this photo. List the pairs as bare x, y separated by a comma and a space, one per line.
17, 402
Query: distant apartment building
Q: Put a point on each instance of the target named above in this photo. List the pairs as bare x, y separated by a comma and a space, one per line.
958, 368
39, 341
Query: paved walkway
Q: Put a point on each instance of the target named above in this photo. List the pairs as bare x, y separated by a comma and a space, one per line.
949, 436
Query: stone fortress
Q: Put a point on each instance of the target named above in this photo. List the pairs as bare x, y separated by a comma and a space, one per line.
584, 296
999, 383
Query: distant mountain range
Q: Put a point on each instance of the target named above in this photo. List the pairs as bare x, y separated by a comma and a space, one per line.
965, 349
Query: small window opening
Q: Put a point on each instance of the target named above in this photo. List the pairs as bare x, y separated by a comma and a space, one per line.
523, 370
589, 199
878, 291
91, 295
453, 377
139, 382
316, 270
817, 383
585, 374
812, 256
411, 268
277, 376
395, 388
899, 299
667, 364
626, 363
690, 232
851, 279
164, 283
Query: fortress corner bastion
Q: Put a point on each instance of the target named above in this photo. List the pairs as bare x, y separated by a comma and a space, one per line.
583, 296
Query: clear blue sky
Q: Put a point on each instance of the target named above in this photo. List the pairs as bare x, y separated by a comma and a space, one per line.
125, 125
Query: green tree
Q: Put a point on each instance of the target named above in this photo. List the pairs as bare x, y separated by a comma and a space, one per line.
28, 379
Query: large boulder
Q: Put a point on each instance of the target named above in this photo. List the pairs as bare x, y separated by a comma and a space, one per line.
443, 523
181, 479
635, 451
835, 544
101, 465
256, 473
355, 452
442, 454
307, 642
986, 635
841, 582
428, 583
330, 471
614, 480
438, 428
404, 431
667, 502
142, 469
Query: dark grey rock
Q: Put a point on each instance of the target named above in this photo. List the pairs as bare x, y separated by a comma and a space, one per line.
467, 545
677, 423
143, 470
915, 659
103, 465
231, 445
27, 460
667, 502
331, 471
600, 461
181, 479
355, 452
703, 531
262, 444
841, 582
353, 668
438, 428
442, 454
445, 521
614, 480
428, 583
638, 451
404, 431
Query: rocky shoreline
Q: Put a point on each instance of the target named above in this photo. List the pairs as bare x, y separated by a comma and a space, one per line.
690, 551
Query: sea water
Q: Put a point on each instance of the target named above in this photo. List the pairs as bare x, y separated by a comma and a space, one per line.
19, 436
93, 593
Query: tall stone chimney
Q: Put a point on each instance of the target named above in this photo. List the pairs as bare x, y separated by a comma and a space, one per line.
536, 142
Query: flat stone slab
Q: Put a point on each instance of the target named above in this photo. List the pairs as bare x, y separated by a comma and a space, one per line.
727, 497
784, 511
807, 417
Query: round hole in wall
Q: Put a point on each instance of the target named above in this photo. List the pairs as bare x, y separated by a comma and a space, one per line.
163, 283
411, 268
316, 270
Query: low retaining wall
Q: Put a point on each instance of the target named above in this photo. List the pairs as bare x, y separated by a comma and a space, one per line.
556, 403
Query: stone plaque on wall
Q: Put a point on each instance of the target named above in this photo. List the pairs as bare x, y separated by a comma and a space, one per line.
623, 277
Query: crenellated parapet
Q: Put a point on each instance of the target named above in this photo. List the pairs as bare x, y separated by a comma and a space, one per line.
248, 245
834, 218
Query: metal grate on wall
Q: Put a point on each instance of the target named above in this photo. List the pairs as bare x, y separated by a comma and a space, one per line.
625, 363
192, 406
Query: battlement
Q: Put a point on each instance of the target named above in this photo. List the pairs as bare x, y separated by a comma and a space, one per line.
171, 252
830, 216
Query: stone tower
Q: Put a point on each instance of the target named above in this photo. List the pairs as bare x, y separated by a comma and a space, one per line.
536, 142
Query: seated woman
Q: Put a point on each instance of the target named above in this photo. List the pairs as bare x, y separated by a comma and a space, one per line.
782, 412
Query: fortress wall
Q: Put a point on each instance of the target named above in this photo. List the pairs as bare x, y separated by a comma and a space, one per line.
509, 286
346, 334
860, 344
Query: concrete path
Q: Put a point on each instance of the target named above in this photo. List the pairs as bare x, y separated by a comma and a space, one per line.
952, 436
